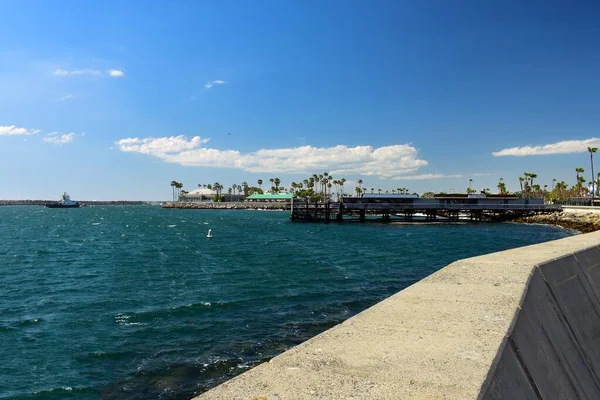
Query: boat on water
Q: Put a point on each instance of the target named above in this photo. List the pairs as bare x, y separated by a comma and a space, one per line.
209, 235
64, 202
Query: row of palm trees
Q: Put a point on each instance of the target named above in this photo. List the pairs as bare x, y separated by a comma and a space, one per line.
317, 186
559, 191
176, 189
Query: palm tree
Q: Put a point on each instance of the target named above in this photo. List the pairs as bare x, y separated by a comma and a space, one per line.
245, 187
360, 182
173, 184
259, 183
341, 185
521, 179
592, 150
276, 181
178, 185
470, 181
581, 180
532, 176
553, 183
217, 188
501, 186
527, 186
579, 171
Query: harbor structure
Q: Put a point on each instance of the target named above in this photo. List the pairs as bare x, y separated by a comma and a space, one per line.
410, 207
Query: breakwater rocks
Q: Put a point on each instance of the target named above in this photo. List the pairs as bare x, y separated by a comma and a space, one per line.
229, 206
583, 222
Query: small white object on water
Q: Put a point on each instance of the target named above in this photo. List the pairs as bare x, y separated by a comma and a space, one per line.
209, 235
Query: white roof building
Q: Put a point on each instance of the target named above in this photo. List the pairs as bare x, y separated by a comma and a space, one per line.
201, 191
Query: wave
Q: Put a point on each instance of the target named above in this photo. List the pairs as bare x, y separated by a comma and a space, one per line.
59, 393
141, 317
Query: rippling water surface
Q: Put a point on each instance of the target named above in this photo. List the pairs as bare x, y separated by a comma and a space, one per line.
134, 302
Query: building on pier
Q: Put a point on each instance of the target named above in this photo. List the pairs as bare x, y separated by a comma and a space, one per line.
388, 207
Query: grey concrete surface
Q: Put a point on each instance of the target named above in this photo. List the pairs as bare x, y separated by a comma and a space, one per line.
452, 336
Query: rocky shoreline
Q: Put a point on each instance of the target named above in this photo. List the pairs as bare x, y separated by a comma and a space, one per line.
229, 206
583, 222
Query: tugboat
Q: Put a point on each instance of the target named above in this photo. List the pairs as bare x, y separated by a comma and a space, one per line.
64, 202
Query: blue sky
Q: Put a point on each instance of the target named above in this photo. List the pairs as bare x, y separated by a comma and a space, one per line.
114, 100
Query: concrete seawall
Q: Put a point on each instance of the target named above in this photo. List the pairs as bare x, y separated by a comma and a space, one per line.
517, 324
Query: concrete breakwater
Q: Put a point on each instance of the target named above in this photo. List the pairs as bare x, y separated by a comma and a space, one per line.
517, 324
584, 222
229, 206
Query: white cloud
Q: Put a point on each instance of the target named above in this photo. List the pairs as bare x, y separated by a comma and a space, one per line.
564, 147
115, 73
65, 97
11, 130
428, 176
210, 84
64, 72
57, 138
388, 161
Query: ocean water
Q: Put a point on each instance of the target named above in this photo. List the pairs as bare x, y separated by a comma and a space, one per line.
133, 302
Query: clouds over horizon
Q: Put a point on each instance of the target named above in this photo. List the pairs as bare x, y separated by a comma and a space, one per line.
394, 162
563, 147
11, 130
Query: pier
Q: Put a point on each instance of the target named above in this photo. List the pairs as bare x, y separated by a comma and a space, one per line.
407, 208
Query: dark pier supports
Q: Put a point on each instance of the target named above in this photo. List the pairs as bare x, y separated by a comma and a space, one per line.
476, 215
327, 212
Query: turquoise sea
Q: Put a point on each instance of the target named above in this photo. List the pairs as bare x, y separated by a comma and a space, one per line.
133, 302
